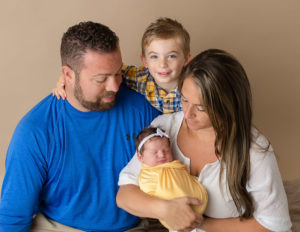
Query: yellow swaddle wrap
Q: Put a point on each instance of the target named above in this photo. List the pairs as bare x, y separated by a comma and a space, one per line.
172, 180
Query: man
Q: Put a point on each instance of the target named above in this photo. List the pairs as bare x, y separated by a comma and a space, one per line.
65, 157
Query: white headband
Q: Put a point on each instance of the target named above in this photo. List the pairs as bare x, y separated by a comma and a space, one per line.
159, 133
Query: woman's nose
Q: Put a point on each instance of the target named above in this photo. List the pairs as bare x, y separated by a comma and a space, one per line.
189, 111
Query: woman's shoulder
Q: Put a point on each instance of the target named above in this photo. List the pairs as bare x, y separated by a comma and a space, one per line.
166, 120
261, 151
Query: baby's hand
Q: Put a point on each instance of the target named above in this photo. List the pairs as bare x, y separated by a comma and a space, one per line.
59, 91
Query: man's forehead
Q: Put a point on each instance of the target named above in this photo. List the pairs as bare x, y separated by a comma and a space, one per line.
103, 63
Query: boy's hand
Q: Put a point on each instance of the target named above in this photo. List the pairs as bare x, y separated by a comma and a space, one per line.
180, 215
59, 91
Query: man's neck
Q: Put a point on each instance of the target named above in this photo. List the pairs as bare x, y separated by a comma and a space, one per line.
74, 102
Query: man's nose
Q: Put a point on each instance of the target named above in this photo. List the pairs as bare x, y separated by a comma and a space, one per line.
113, 83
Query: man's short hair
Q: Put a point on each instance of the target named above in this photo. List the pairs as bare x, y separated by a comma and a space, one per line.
86, 36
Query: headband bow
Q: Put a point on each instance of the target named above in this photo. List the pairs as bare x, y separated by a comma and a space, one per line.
159, 133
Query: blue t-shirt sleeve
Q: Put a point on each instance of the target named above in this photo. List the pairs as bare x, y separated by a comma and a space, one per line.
25, 175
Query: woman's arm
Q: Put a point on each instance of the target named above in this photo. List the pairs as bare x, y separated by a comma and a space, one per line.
177, 213
232, 225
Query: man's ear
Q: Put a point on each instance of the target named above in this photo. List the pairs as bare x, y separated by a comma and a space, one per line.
187, 59
68, 74
144, 60
140, 157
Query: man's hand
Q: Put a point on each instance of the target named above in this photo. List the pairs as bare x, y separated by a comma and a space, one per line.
179, 214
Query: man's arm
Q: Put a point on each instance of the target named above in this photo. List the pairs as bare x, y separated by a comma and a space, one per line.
177, 213
23, 181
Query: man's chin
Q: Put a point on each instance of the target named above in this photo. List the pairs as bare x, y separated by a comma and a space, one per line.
99, 107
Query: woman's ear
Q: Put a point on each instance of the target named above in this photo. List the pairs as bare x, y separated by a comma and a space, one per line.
140, 157
68, 73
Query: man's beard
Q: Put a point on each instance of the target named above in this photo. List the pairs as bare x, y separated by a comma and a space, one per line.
97, 105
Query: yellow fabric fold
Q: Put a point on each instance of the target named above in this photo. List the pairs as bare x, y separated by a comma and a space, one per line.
172, 180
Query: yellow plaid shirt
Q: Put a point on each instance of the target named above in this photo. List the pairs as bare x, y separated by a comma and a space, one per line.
140, 80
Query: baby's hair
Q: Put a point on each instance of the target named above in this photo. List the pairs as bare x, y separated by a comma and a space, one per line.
166, 28
143, 134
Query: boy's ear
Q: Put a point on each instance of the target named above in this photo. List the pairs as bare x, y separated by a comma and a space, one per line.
140, 157
144, 60
188, 59
68, 74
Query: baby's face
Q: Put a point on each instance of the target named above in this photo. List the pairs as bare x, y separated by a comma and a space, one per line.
156, 151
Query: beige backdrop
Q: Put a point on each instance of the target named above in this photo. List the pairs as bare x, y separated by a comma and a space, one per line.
263, 34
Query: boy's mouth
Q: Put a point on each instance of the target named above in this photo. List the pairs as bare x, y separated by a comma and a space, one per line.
164, 74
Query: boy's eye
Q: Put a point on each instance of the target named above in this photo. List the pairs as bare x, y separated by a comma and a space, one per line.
153, 57
172, 56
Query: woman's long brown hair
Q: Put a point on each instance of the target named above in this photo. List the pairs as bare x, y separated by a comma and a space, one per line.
226, 93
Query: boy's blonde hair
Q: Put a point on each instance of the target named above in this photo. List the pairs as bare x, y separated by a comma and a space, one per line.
166, 28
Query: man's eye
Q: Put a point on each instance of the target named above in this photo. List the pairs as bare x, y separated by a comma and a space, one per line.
99, 81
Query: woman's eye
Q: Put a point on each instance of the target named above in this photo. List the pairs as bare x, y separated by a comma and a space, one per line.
183, 99
200, 108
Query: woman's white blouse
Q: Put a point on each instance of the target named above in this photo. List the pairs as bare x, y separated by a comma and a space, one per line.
265, 184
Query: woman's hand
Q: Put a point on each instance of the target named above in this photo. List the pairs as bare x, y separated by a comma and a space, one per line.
59, 91
179, 214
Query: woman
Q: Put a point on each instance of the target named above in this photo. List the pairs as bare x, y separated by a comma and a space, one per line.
215, 138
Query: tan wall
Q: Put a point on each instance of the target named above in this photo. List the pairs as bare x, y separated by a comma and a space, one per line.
263, 34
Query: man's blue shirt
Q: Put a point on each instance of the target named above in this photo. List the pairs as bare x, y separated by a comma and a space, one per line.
65, 163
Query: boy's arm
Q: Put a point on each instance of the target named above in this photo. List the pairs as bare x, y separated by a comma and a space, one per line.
135, 77
59, 90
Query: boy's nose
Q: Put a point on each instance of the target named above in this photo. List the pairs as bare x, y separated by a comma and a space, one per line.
163, 63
